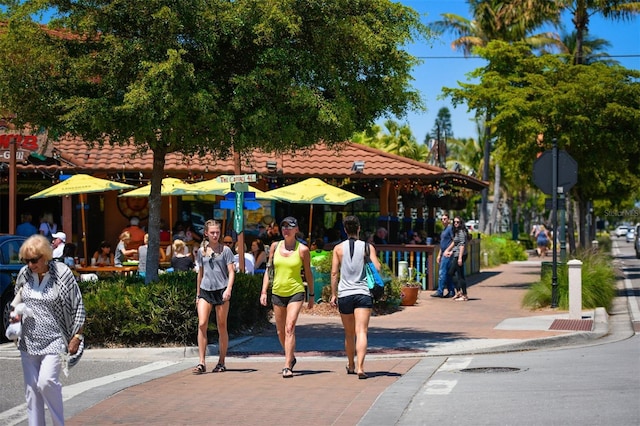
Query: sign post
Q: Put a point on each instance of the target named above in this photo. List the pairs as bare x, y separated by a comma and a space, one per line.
240, 186
555, 172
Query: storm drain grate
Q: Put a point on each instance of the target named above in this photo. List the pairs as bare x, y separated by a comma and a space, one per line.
490, 370
572, 325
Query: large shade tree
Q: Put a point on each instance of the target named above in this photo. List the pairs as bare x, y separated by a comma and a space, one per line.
497, 20
197, 76
593, 111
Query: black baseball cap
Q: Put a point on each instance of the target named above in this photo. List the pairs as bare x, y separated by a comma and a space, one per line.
289, 221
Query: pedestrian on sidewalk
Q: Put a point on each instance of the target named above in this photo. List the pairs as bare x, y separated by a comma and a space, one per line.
216, 275
457, 251
50, 290
352, 294
288, 257
444, 279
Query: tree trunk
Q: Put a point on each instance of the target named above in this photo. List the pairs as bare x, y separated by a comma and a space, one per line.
155, 207
483, 220
496, 199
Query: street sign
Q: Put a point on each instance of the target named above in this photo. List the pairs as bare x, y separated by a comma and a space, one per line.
241, 187
236, 178
238, 217
231, 196
543, 171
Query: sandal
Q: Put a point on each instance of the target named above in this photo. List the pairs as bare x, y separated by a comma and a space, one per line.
350, 371
293, 364
199, 369
362, 376
219, 368
287, 373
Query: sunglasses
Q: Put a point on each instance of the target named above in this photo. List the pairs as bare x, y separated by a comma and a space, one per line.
287, 227
34, 260
227, 242
456, 221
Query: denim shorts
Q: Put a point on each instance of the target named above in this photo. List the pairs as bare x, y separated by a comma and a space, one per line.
348, 304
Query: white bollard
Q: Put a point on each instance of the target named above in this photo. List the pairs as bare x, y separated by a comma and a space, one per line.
575, 289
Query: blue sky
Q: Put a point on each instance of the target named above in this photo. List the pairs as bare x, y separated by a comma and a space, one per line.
444, 67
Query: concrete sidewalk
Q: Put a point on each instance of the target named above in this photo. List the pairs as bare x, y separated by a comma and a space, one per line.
252, 390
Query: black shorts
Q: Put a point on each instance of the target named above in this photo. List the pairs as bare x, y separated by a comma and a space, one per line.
284, 301
348, 304
213, 297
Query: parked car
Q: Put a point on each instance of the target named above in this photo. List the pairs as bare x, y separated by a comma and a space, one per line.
472, 225
10, 265
631, 235
621, 231
636, 240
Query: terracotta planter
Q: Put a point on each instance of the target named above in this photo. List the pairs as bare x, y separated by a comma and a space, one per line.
409, 296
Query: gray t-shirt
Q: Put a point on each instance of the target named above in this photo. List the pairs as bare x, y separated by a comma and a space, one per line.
215, 272
353, 279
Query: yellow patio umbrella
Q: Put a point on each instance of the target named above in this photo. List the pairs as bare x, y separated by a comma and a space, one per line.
80, 185
212, 188
314, 191
170, 187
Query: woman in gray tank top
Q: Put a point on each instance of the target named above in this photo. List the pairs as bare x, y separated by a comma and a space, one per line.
352, 294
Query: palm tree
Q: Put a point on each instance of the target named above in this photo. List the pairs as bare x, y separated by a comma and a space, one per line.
582, 10
397, 139
498, 20
594, 49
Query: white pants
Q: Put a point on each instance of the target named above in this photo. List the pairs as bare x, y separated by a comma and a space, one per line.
42, 384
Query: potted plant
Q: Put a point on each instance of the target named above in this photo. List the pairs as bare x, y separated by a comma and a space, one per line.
321, 269
409, 288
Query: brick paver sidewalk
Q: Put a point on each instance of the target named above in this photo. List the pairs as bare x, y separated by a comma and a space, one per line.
252, 390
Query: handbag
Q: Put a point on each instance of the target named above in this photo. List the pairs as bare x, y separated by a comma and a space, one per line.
374, 280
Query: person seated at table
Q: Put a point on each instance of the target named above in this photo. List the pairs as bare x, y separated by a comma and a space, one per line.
69, 256
249, 260
259, 254
136, 233
122, 250
103, 256
181, 261
142, 256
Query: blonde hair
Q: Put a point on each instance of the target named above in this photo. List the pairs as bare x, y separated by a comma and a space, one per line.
209, 223
146, 238
178, 246
36, 246
125, 236
47, 217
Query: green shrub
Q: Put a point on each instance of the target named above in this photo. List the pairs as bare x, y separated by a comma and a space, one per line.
501, 250
598, 283
125, 311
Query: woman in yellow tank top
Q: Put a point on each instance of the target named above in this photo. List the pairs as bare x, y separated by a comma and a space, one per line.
288, 258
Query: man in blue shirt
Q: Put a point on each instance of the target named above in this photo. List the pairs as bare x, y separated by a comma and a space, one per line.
26, 228
444, 279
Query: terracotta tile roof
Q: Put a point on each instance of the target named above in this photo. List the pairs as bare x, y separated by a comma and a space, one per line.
74, 156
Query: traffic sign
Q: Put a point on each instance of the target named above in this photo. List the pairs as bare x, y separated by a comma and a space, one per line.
543, 171
236, 178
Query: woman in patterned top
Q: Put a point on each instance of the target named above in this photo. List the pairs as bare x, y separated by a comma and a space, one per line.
51, 291
216, 274
458, 252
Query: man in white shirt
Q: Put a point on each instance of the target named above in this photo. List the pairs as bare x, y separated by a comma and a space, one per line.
59, 240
